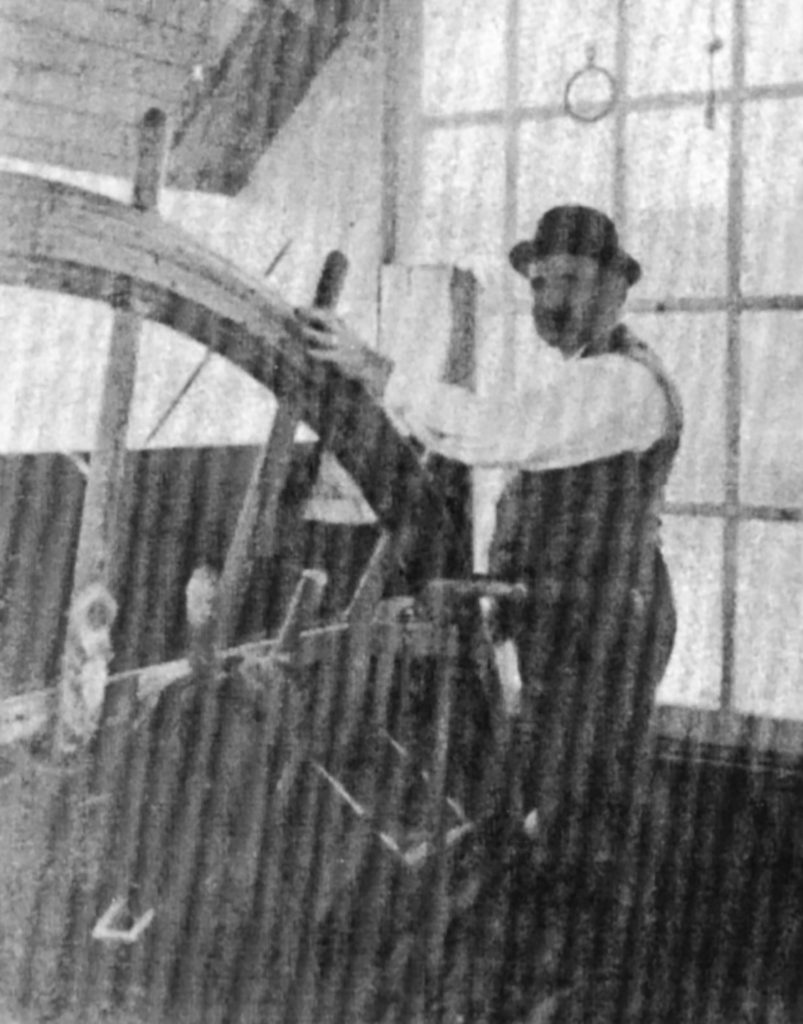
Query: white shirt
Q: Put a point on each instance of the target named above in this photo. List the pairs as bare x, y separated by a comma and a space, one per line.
567, 412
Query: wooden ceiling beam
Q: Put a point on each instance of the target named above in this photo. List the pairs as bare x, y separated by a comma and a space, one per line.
260, 80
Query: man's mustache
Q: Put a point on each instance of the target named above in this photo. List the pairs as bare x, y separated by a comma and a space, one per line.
557, 318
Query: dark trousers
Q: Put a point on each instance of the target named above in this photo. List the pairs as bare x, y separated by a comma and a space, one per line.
589, 684
586, 765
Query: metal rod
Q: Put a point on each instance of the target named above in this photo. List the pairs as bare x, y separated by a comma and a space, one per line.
404, 37
703, 304
629, 104
392, 40
510, 209
733, 364
620, 111
185, 387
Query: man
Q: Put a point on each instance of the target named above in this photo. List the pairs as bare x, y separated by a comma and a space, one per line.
588, 440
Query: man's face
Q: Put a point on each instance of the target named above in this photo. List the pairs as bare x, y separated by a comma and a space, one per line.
574, 301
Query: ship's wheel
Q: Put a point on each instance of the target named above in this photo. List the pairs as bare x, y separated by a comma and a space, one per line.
60, 238
132, 823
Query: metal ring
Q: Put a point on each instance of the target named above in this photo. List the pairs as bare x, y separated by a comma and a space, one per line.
606, 107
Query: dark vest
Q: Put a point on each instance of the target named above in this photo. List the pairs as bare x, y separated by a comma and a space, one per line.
586, 540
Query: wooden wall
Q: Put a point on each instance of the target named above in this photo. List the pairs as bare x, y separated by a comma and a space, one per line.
78, 74
181, 509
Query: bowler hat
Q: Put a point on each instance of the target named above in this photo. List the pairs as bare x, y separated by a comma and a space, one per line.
577, 231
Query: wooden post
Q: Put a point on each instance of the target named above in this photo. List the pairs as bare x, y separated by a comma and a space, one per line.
104, 487
92, 577
401, 40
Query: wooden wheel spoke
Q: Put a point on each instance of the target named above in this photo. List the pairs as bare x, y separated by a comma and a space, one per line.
86, 644
260, 507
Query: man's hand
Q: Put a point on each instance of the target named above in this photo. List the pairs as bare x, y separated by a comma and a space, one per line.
332, 341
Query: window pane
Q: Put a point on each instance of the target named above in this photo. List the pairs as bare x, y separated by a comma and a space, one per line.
692, 347
561, 161
464, 55
773, 186
769, 640
772, 409
774, 42
677, 175
668, 46
166, 361
53, 349
462, 196
693, 550
552, 45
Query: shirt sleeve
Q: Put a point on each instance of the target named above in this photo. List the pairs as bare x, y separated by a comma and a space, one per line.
584, 410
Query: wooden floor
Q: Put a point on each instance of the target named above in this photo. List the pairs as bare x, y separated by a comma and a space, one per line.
718, 897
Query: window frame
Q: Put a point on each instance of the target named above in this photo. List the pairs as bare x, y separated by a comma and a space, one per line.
723, 727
